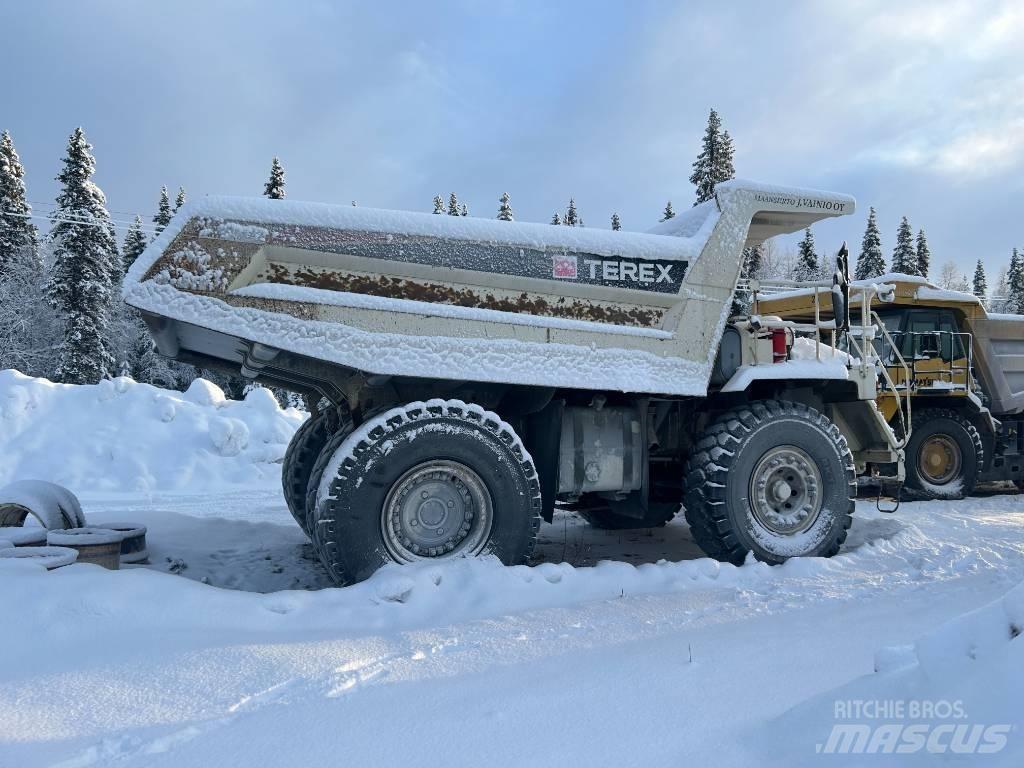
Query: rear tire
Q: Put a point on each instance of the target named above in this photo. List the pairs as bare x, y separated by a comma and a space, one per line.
774, 478
425, 481
301, 456
944, 455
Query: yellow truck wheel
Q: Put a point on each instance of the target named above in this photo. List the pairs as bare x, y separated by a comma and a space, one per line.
944, 455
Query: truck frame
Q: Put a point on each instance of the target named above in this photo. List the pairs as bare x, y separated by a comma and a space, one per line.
464, 375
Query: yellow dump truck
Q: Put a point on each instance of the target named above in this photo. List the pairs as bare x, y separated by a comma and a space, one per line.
965, 380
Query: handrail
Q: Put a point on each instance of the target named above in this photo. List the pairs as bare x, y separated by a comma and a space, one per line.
905, 423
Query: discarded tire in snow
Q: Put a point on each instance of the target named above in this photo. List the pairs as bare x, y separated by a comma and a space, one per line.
24, 537
426, 481
54, 506
51, 557
133, 545
94, 545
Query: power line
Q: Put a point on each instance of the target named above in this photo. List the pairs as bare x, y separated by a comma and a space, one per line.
112, 218
80, 222
54, 205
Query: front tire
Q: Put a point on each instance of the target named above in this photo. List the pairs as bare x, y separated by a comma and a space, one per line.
425, 481
944, 455
774, 478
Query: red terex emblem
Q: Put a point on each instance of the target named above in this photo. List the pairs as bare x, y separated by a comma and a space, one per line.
563, 266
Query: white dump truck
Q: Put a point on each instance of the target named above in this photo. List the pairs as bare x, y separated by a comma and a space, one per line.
466, 374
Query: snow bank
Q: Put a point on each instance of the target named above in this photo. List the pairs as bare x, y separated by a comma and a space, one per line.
120, 435
958, 691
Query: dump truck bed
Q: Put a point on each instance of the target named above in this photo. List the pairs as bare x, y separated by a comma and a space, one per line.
420, 295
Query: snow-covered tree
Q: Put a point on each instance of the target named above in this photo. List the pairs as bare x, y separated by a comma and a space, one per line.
463, 210
453, 205
871, 262
505, 209
999, 301
556, 219
438, 204
84, 281
274, 188
1015, 284
616, 223
924, 256
163, 211
668, 213
952, 279
714, 163
980, 284
572, 218
807, 267
179, 199
904, 257
19, 239
750, 270
134, 243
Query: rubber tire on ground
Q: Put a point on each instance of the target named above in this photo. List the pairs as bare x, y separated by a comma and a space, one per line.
364, 467
300, 458
942, 421
718, 473
599, 515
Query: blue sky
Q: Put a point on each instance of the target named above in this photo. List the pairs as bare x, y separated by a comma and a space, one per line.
914, 107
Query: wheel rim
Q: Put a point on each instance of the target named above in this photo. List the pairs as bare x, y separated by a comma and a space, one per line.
437, 509
939, 460
786, 491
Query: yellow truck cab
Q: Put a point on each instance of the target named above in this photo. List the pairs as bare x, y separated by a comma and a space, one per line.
966, 380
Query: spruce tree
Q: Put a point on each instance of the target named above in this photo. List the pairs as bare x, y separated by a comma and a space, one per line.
904, 258
871, 262
924, 256
19, 239
463, 210
274, 188
807, 267
750, 270
1015, 284
616, 224
572, 218
163, 211
714, 163
83, 284
980, 285
438, 204
505, 209
134, 243
668, 213
556, 219
179, 200
453, 205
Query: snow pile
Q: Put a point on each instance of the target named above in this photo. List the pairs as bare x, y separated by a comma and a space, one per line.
119, 435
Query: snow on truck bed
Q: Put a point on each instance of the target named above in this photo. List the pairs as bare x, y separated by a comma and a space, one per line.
262, 216
339, 283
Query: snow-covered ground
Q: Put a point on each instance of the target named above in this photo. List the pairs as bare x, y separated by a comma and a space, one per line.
616, 648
